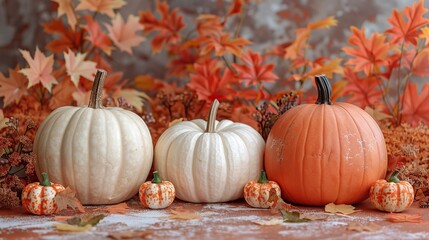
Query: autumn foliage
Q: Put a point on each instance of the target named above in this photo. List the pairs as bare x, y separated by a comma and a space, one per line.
382, 72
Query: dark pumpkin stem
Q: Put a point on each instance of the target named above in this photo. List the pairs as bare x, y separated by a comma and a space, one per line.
263, 178
95, 100
324, 90
156, 177
394, 177
211, 121
45, 181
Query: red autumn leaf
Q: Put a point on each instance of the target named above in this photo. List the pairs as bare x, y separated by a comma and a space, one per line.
224, 44
168, 27
209, 25
14, 87
402, 217
123, 34
69, 39
208, 82
236, 7
67, 198
101, 6
408, 31
96, 36
254, 71
40, 70
62, 94
418, 62
120, 208
363, 92
65, 7
183, 63
368, 54
416, 106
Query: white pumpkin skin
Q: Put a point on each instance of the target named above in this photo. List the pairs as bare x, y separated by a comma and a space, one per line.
207, 167
104, 154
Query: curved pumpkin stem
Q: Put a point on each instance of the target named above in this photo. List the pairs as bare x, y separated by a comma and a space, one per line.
211, 121
324, 90
95, 100
156, 177
45, 181
263, 178
394, 177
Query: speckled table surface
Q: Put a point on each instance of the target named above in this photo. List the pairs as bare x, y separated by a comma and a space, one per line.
234, 220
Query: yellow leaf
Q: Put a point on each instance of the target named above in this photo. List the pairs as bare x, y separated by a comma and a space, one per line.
324, 23
184, 215
425, 34
71, 228
341, 208
271, 222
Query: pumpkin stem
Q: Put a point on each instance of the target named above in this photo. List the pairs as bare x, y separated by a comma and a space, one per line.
211, 121
263, 178
45, 182
324, 90
95, 100
394, 177
156, 177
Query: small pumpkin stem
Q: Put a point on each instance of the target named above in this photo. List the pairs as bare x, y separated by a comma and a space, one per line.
211, 121
394, 177
95, 100
324, 90
263, 178
156, 177
45, 181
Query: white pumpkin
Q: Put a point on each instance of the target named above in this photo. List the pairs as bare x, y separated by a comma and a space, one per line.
105, 154
209, 161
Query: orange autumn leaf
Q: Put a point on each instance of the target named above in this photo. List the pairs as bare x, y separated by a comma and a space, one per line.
236, 7
416, 106
96, 36
419, 64
120, 208
62, 94
324, 23
77, 67
368, 55
362, 91
223, 44
67, 198
402, 217
183, 214
13, 87
65, 7
340, 208
101, 6
328, 68
425, 35
254, 71
209, 25
68, 39
123, 34
408, 30
40, 70
183, 63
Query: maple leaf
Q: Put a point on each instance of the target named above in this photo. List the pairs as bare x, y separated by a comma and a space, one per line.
368, 54
209, 25
62, 94
182, 214
132, 97
168, 26
416, 106
101, 6
67, 198
360, 227
376, 114
292, 216
65, 7
40, 70
96, 36
324, 23
3, 121
124, 34
236, 7
363, 92
402, 217
80, 224
328, 68
77, 67
408, 31
278, 203
340, 208
14, 87
183, 63
69, 39
254, 71
148, 82
209, 84
224, 44
418, 63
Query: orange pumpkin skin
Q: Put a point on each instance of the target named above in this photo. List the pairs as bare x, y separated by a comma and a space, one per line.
391, 196
323, 153
38, 198
257, 193
157, 194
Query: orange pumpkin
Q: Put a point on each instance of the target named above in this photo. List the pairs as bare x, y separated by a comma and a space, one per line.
325, 152
392, 195
257, 193
157, 194
39, 198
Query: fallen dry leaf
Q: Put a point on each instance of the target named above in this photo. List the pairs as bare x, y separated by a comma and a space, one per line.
120, 208
360, 227
278, 202
294, 217
341, 208
402, 217
71, 228
184, 215
67, 198
130, 235
271, 222
86, 219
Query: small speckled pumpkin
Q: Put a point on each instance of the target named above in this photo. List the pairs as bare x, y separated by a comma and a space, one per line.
392, 195
257, 193
157, 194
38, 197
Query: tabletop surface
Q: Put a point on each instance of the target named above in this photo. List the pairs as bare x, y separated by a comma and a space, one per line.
233, 220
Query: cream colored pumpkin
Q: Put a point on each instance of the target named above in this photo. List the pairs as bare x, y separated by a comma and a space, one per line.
105, 154
209, 161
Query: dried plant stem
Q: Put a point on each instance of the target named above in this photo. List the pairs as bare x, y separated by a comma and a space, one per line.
228, 64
